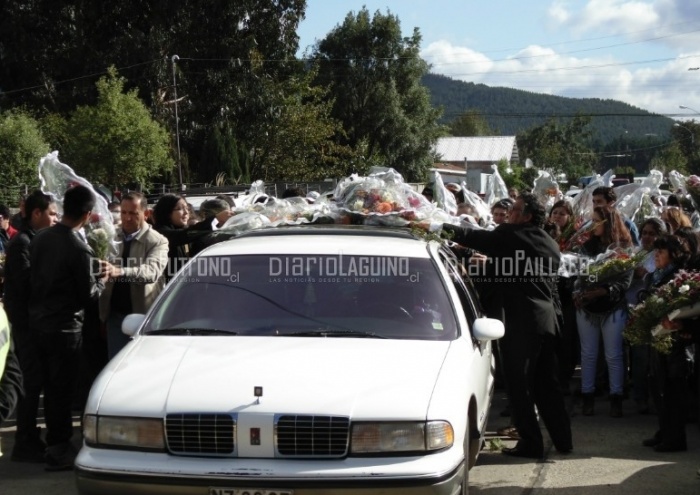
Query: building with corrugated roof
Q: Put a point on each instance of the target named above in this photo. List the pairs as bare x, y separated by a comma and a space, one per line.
465, 159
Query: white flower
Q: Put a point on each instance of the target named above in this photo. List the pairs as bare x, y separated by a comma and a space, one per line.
358, 205
656, 299
683, 289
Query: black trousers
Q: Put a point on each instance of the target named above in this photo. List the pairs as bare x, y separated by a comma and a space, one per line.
531, 370
60, 355
33, 376
670, 392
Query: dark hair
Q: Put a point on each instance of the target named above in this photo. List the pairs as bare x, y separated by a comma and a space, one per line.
562, 203
677, 247
293, 192
212, 207
114, 204
672, 200
693, 239
656, 223
140, 198
502, 204
36, 200
78, 201
607, 192
5, 211
164, 208
534, 207
228, 199
615, 229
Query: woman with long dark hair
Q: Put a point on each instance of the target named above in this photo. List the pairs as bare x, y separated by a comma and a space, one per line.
602, 311
170, 218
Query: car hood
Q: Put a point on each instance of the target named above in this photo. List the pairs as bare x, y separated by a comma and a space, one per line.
358, 377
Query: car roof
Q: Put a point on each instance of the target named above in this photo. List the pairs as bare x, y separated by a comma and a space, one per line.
324, 239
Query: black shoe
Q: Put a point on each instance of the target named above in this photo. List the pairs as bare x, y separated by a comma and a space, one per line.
565, 451
60, 457
670, 447
615, 406
521, 452
28, 448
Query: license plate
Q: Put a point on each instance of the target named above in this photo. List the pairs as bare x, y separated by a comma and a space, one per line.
247, 491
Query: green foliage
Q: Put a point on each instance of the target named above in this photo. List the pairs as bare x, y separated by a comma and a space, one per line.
671, 158
374, 75
687, 136
471, 123
515, 176
21, 147
220, 156
294, 140
116, 141
55, 129
560, 147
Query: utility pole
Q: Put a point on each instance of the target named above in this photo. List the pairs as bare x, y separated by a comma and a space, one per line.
174, 59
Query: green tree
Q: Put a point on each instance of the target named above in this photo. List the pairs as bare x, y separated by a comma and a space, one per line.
670, 158
21, 147
687, 136
219, 155
560, 148
293, 138
374, 76
116, 141
471, 123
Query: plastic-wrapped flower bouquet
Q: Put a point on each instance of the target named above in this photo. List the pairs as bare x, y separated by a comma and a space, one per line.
676, 299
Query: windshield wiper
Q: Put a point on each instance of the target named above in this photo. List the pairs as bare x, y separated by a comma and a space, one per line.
190, 331
334, 333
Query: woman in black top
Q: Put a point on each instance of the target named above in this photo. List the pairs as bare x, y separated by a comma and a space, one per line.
170, 218
669, 372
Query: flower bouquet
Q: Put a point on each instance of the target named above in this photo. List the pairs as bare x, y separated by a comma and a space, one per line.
676, 299
381, 199
56, 179
692, 185
611, 264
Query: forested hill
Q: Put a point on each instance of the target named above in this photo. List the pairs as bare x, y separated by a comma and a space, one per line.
509, 111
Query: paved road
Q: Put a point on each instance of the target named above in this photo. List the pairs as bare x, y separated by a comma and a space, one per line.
608, 459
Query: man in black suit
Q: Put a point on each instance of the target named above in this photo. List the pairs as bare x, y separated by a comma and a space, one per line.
524, 261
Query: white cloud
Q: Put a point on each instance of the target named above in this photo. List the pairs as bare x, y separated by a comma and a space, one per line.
659, 88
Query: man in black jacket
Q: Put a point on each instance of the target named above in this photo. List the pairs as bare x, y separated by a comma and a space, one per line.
65, 278
524, 261
41, 213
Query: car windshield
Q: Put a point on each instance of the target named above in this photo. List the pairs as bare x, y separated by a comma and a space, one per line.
307, 296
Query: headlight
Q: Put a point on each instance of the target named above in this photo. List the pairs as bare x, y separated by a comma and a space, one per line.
373, 438
118, 432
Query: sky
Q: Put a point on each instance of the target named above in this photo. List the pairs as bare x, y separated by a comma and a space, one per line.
642, 52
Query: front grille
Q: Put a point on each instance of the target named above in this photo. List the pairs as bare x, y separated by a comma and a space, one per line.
201, 434
312, 436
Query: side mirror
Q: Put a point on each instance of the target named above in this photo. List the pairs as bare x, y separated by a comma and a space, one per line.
132, 323
488, 329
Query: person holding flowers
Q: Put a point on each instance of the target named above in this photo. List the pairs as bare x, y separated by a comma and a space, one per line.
669, 371
650, 230
601, 308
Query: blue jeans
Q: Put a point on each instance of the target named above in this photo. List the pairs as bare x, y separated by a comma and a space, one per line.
589, 330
